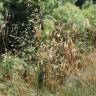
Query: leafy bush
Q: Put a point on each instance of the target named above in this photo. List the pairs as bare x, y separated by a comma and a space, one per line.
11, 66
70, 13
90, 13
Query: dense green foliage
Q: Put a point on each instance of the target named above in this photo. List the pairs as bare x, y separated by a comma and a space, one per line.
18, 19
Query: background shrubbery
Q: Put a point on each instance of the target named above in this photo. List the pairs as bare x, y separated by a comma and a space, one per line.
47, 44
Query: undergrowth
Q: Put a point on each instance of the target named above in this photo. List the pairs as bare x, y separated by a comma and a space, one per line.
57, 58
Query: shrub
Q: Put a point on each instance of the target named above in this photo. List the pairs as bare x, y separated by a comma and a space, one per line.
19, 17
90, 13
11, 67
71, 14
